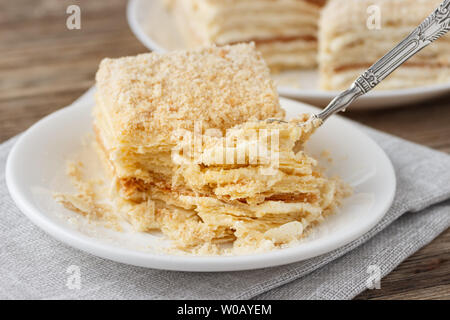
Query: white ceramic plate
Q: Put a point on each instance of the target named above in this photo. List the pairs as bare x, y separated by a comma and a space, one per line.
36, 168
156, 29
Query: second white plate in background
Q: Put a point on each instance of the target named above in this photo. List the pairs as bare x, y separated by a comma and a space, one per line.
157, 30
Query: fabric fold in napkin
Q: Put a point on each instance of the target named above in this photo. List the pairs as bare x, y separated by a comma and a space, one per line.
35, 266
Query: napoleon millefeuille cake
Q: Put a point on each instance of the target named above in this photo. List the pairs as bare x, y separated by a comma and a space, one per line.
141, 101
183, 138
350, 42
285, 31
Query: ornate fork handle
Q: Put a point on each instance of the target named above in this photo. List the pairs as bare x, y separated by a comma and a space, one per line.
431, 29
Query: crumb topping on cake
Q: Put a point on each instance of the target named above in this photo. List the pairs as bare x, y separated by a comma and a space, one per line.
150, 95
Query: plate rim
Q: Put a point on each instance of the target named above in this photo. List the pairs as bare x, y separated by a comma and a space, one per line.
291, 92
166, 261
137, 30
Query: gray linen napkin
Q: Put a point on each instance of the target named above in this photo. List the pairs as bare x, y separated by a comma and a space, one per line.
35, 266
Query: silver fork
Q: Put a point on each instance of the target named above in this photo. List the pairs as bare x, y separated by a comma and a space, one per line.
431, 29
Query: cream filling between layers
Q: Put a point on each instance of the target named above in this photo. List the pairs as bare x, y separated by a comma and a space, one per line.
218, 25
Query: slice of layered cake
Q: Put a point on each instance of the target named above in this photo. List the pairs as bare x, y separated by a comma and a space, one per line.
285, 31
183, 139
351, 40
142, 100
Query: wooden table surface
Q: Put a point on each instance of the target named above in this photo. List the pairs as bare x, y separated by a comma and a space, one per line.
44, 67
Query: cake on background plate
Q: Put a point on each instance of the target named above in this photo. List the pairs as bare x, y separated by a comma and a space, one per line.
285, 31
347, 46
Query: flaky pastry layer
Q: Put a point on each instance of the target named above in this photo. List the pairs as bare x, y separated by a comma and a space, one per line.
284, 24
253, 205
